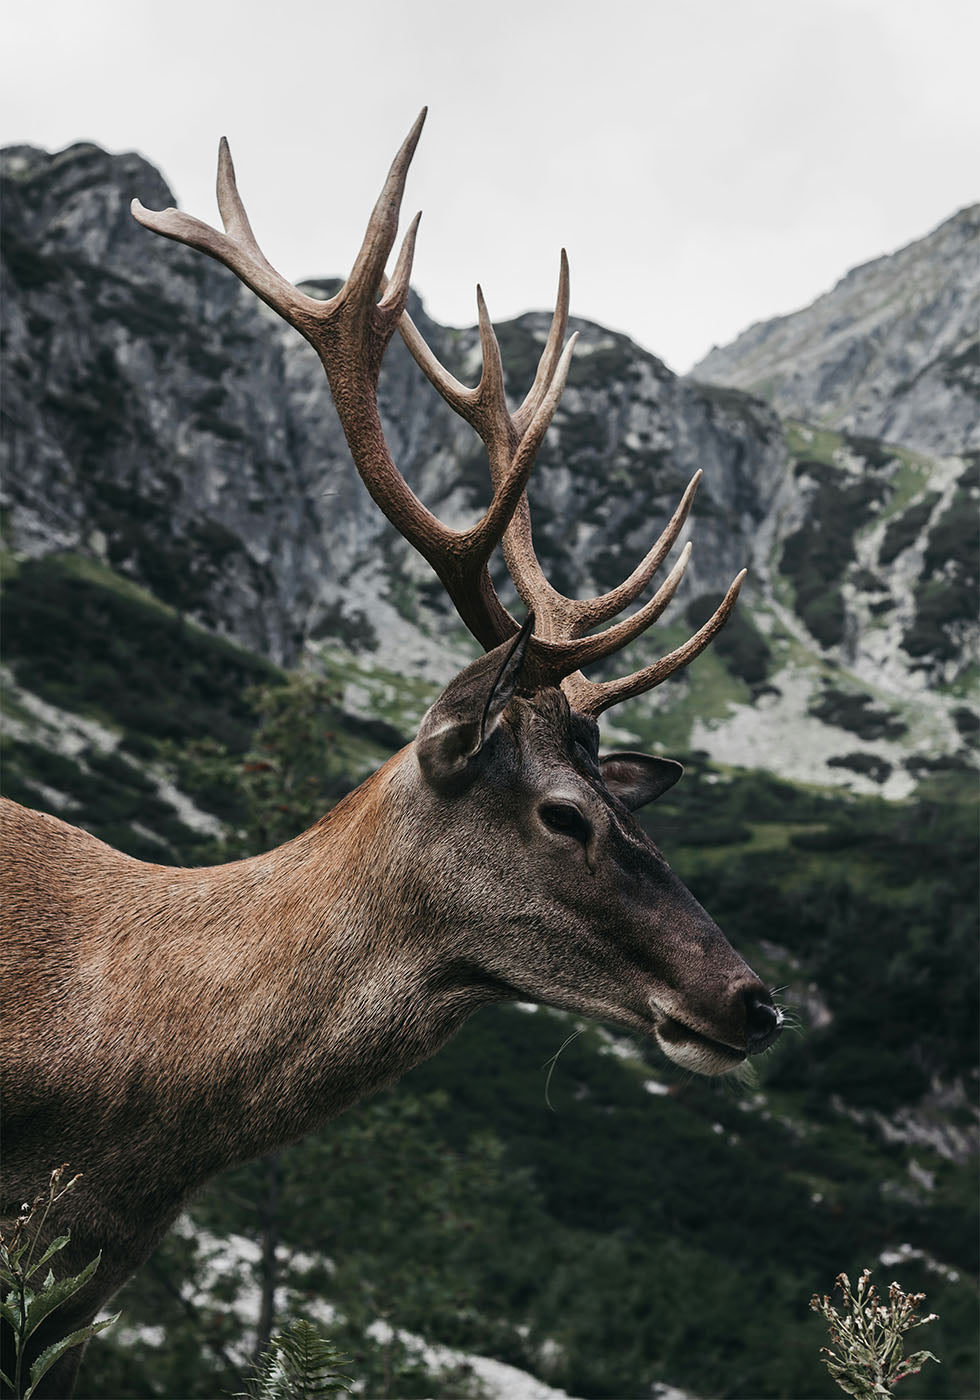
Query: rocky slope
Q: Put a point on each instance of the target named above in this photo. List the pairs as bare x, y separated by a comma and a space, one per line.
893, 351
178, 491
161, 423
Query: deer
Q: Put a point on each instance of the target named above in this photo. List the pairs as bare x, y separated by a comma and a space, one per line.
162, 1024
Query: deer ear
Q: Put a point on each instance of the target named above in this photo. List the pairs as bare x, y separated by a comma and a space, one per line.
638, 778
454, 731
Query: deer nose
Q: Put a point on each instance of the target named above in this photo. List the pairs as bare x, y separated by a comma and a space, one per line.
763, 1022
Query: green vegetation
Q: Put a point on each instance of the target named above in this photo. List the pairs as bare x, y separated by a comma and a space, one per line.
650, 1227
912, 476
876, 768
106, 792
816, 557
880, 894
904, 529
85, 640
854, 710
891, 487
665, 727
964, 684
866, 1357
947, 591
967, 722
30, 1295
803, 440
176, 698
395, 704
299, 1364
288, 779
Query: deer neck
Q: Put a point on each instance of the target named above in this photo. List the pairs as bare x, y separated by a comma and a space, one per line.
317, 973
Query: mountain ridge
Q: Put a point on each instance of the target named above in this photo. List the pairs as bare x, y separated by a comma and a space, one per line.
891, 351
178, 490
162, 422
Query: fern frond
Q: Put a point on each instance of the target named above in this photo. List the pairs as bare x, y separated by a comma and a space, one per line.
299, 1364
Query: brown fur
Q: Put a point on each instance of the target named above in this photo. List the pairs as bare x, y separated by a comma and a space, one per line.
162, 1024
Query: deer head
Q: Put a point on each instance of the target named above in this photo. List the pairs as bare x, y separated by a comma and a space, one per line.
554, 891
205, 1016
567, 900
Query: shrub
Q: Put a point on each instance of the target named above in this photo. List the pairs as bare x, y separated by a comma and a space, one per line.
856, 712
866, 1356
29, 1298
870, 764
298, 1364
816, 556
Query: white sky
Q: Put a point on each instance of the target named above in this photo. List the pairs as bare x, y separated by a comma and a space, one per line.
707, 163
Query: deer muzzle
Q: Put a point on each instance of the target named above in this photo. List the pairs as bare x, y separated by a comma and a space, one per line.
749, 1025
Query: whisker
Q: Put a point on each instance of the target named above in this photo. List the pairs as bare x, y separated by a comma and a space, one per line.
742, 1077
789, 1016
550, 1065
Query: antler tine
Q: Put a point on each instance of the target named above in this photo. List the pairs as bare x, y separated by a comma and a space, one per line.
510, 484
350, 333
564, 619
490, 392
379, 238
552, 350
230, 205
236, 247
457, 395
590, 612
511, 440
592, 697
560, 621
468, 402
558, 615
396, 292
567, 654
507, 436
484, 407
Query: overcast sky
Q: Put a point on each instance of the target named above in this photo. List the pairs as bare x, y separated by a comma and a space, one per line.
707, 163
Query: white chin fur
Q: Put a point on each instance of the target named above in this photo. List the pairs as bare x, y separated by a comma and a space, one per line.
700, 1059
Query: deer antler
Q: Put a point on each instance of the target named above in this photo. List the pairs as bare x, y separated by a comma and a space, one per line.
350, 332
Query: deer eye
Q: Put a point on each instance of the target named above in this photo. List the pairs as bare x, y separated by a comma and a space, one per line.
566, 820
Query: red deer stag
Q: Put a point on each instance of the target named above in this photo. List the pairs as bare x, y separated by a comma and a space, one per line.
162, 1024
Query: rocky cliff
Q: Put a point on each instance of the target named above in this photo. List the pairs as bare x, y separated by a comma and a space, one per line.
161, 422
893, 351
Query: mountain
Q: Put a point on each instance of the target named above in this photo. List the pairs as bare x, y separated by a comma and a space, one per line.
893, 351
162, 423
160, 418
182, 523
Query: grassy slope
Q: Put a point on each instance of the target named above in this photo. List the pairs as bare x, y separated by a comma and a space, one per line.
629, 1235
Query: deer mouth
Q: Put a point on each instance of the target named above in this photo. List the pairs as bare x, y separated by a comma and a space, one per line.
692, 1049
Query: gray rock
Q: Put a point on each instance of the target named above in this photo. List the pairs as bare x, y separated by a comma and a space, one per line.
893, 351
161, 419
160, 416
